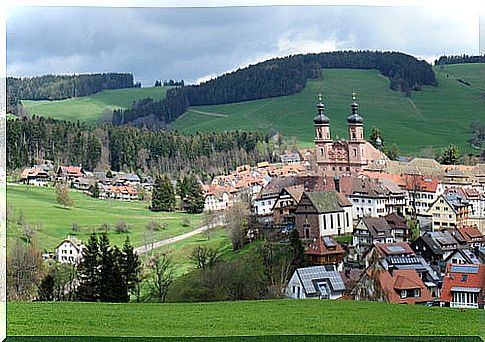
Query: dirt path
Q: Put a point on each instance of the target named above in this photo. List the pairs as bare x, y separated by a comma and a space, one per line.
208, 113
416, 109
156, 244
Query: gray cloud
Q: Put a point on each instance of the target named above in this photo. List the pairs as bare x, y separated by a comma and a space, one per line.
192, 43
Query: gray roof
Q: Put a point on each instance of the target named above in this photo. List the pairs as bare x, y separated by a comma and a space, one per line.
311, 276
467, 254
378, 227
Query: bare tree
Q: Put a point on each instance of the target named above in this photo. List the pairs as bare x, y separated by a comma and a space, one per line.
121, 227
24, 270
161, 277
236, 218
76, 228
62, 196
204, 257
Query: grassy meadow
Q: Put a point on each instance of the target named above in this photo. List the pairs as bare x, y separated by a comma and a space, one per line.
434, 116
37, 207
244, 318
95, 107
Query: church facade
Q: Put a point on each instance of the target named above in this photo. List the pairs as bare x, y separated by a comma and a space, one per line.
344, 157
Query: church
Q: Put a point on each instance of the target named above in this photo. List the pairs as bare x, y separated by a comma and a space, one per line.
344, 157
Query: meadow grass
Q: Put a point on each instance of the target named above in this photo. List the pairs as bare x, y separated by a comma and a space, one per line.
266, 317
434, 116
53, 222
94, 107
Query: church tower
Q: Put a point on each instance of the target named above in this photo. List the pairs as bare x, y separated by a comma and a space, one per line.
356, 137
323, 140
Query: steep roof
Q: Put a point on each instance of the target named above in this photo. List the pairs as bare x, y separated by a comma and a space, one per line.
395, 248
310, 276
400, 280
295, 191
377, 226
328, 201
471, 234
421, 183
324, 246
396, 221
469, 278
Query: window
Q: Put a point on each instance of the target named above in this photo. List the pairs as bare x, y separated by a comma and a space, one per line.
404, 294
417, 293
464, 278
331, 221
294, 289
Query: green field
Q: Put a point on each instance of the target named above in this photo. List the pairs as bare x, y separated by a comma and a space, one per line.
53, 222
95, 107
276, 317
434, 116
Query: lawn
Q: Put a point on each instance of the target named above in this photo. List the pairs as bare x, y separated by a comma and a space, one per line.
95, 107
271, 317
434, 116
53, 223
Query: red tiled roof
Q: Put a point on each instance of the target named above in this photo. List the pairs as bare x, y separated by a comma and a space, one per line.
384, 250
318, 247
421, 183
456, 279
403, 280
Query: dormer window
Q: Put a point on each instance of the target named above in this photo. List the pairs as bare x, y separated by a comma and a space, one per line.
404, 293
417, 293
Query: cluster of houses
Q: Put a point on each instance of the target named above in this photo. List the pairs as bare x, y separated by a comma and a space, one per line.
118, 186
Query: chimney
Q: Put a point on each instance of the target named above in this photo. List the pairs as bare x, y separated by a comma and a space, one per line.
336, 180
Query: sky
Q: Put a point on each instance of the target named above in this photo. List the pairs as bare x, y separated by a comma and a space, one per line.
196, 44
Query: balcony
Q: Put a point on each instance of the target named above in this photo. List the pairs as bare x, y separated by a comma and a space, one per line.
463, 305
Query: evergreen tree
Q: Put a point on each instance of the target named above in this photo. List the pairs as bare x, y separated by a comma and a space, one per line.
297, 249
374, 134
117, 283
194, 200
106, 268
130, 266
163, 195
88, 272
450, 156
392, 152
46, 288
94, 190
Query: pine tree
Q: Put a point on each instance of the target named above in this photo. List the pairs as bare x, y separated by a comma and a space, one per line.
46, 288
163, 195
94, 190
106, 265
88, 272
450, 156
297, 249
194, 200
130, 266
117, 283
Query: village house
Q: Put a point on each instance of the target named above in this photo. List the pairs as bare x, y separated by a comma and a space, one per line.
399, 227
218, 198
264, 203
423, 192
69, 251
36, 176
435, 246
325, 251
462, 257
469, 237
285, 206
69, 173
392, 286
122, 193
367, 232
323, 213
464, 286
382, 251
450, 210
320, 282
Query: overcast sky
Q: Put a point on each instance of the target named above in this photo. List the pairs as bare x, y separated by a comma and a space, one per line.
195, 44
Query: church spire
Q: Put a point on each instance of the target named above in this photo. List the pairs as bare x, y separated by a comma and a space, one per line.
354, 118
320, 119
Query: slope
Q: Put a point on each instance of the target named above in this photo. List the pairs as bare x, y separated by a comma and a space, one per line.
434, 116
95, 107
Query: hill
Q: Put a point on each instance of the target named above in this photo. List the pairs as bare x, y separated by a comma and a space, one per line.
37, 207
434, 116
94, 107
244, 318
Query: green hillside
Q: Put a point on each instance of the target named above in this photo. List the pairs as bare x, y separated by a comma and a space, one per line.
435, 116
94, 107
38, 208
276, 317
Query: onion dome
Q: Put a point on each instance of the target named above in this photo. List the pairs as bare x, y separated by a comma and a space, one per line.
354, 118
320, 119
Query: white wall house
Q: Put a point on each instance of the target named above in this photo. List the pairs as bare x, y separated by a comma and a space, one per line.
216, 202
69, 251
318, 282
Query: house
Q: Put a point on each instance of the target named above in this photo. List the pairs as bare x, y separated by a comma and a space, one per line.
266, 199
476, 215
368, 231
35, 176
423, 192
449, 210
128, 179
399, 227
462, 257
69, 251
124, 193
393, 286
321, 282
471, 236
383, 251
290, 158
435, 246
324, 251
69, 173
464, 286
285, 205
323, 213
81, 183
218, 197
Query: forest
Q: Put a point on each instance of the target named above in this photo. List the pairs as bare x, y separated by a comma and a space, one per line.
460, 59
60, 87
276, 77
31, 141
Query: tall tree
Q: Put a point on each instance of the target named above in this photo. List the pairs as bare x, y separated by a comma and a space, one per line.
160, 278
194, 199
89, 272
163, 196
450, 155
130, 266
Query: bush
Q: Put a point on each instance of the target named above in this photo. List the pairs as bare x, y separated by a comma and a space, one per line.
121, 227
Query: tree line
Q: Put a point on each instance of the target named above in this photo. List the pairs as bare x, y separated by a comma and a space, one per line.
60, 87
276, 77
460, 59
30, 141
